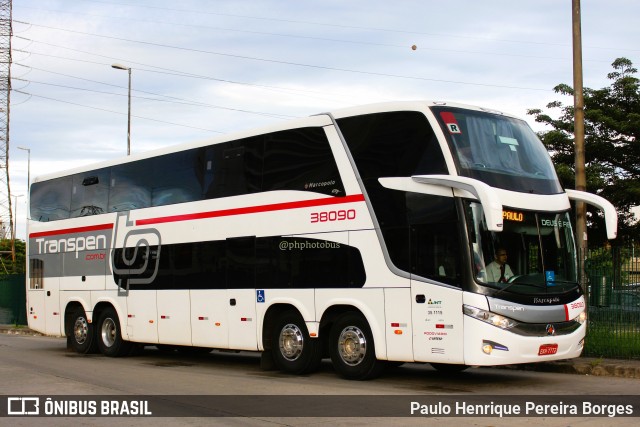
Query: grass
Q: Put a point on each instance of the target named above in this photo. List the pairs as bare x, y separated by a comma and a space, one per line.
612, 340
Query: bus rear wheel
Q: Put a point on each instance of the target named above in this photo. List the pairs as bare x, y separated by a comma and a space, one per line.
110, 342
294, 351
352, 348
81, 336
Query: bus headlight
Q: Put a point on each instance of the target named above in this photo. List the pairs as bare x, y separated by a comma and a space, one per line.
582, 317
488, 317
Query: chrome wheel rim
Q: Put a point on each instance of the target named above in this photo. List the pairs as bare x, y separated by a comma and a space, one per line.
352, 345
81, 330
291, 342
108, 332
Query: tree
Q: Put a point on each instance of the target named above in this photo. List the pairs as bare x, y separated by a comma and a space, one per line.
612, 154
7, 266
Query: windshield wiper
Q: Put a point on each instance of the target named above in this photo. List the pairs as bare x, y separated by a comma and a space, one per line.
533, 285
571, 282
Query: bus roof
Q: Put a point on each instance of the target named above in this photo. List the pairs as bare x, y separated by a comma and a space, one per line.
320, 119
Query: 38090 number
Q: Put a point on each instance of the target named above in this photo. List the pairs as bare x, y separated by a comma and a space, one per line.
330, 216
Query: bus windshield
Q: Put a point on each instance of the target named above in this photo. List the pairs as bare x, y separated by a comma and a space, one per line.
534, 254
501, 151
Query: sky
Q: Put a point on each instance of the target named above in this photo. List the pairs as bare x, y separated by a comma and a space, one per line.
201, 68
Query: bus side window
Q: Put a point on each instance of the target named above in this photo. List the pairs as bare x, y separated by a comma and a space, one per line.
302, 160
130, 186
234, 168
36, 273
51, 200
176, 178
90, 193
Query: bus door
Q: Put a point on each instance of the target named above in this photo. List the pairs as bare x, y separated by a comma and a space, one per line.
436, 295
437, 323
241, 293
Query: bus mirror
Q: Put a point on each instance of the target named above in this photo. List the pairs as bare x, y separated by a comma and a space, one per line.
610, 214
488, 197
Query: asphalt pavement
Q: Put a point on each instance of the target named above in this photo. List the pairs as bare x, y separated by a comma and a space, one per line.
601, 367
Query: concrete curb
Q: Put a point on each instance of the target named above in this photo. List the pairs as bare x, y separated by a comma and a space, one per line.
17, 330
581, 366
586, 366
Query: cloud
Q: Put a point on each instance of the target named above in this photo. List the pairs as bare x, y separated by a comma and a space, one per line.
286, 58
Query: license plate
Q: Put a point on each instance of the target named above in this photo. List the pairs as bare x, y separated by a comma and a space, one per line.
547, 349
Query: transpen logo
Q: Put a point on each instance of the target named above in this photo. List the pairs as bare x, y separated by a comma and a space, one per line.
136, 256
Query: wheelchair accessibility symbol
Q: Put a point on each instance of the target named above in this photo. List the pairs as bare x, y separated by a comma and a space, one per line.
259, 295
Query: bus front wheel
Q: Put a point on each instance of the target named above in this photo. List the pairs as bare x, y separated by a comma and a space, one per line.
294, 351
352, 349
110, 342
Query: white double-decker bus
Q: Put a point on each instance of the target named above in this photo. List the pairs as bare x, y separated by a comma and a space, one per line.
364, 235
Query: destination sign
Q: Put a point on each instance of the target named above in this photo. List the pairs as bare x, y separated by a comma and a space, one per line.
513, 216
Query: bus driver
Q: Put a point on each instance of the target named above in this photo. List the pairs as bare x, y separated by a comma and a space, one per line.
498, 270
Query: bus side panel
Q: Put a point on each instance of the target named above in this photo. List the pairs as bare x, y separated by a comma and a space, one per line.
84, 283
52, 308
142, 316
243, 334
377, 271
370, 302
174, 317
209, 325
36, 312
398, 328
437, 323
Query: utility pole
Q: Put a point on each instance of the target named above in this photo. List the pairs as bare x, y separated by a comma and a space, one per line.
581, 179
6, 217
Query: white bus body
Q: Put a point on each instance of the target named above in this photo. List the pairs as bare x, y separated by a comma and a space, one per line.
361, 235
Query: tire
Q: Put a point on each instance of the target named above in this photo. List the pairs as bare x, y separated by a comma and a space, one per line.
352, 349
81, 337
110, 342
294, 351
447, 368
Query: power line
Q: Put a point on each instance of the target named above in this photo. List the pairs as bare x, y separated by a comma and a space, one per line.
355, 27
170, 99
172, 72
275, 61
111, 111
335, 40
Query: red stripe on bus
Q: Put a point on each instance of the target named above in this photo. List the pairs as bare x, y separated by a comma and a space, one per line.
71, 230
254, 209
566, 312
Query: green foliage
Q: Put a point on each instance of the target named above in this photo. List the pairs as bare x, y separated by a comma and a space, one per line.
7, 266
612, 154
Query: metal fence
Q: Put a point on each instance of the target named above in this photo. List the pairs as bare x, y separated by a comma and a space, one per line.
613, 276
13, 296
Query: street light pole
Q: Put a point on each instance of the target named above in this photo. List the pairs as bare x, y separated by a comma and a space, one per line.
13, 232
122, 67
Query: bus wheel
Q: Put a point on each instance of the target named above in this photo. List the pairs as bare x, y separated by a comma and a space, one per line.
82, 337
352, 349
294, 351
110, 342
